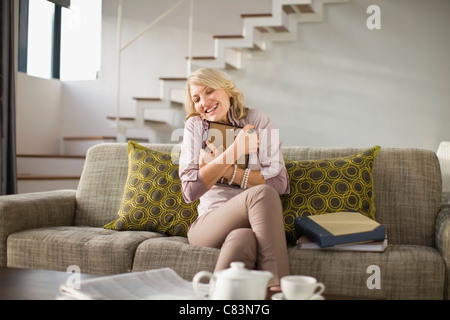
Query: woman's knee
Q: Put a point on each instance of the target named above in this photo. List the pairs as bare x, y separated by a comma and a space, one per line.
242, 236
242, 240
265, 192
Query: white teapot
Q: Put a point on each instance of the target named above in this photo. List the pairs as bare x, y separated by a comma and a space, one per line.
235, 283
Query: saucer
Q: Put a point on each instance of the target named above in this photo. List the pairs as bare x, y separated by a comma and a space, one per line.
280, 296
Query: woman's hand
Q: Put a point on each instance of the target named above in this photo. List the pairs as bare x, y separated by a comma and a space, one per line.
208, 154
247, 141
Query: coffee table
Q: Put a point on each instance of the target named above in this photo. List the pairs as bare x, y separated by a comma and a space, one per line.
32, 284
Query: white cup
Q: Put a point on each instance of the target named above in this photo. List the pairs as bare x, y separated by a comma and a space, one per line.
297, 287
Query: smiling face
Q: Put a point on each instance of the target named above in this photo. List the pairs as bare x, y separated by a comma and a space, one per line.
211, 104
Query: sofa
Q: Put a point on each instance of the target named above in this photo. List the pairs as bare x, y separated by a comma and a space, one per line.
56, 229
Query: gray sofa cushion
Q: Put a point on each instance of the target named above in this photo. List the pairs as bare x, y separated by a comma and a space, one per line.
175, 253
95, 250
415, 272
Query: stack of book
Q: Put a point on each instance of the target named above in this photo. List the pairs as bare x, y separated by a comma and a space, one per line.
349, 231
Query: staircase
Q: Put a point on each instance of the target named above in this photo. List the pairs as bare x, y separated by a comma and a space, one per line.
158, 117
260, 30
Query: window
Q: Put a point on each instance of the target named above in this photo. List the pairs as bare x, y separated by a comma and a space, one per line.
81, 40
40, 38
60, 38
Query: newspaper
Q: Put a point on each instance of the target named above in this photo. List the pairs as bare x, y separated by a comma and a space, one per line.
159, 284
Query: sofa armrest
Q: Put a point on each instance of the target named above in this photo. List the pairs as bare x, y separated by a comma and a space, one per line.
34, 210
443, 242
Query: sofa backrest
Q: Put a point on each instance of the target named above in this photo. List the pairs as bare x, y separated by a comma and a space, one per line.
407, 185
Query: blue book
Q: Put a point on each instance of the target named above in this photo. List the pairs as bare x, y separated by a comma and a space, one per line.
330, 229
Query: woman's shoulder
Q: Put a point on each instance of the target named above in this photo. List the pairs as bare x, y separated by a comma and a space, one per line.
195, 126
193, 121
258, 116
253, 112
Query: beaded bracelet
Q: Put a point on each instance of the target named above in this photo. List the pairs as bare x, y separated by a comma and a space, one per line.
233, 176
245, 179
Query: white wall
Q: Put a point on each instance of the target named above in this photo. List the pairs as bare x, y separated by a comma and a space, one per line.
38, 115
339, 84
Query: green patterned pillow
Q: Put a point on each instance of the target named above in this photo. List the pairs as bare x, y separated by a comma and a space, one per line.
329, 185
152, 199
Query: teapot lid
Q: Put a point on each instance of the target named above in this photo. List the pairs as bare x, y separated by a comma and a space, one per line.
237, 271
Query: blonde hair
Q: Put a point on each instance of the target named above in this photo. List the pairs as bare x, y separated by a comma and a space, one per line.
215, 79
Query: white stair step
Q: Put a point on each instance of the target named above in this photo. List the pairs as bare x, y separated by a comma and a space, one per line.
151, 103
49, 165
152, 112
173, 116
132, 122
44, 184
169, 85
153, 131
209, 62
80, 145
177, 96
37, 173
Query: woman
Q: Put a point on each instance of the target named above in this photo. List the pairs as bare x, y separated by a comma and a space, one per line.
240, 209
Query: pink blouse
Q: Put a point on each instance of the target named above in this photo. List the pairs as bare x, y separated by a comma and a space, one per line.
269, 160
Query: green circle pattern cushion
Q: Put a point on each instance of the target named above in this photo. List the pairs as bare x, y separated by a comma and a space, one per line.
152, 199
329, 185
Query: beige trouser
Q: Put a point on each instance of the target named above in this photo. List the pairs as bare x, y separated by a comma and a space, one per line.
248, 228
